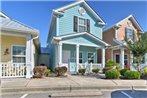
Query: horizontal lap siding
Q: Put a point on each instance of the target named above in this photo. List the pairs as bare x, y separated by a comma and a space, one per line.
7, 42
66, 22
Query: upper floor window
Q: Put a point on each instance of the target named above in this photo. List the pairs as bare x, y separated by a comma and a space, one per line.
81, 24
130, 34
18, 54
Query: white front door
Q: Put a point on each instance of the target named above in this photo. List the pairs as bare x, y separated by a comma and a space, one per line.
65, 56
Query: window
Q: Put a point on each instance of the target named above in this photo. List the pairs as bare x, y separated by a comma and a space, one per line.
129, 34
117, 57
80, 57
126, 59
18, 54
81, 24
90, 57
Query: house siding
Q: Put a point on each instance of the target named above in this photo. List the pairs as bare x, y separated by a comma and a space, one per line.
66, 22
83, 49
7, 42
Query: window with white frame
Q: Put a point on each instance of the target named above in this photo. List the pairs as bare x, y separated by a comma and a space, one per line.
90, 57
80, 57
19, 54
82, 25
130, 34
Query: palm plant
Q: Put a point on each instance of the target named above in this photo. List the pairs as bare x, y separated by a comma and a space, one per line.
138, 48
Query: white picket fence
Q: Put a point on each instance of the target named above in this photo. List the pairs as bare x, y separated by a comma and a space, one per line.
8, 70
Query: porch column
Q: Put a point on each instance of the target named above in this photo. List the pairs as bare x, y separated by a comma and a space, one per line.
77, 57
122, 57
146, 58
112, 55
103, 57
28, 56
60, 53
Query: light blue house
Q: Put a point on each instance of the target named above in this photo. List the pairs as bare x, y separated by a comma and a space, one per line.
74, 37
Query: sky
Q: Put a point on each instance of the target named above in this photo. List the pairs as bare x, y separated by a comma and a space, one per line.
37, 14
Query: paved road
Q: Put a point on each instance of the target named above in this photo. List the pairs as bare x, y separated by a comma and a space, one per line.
105, 94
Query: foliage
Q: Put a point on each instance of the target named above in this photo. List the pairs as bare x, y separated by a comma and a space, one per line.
145, 70
112, 74
138, 48
47, 72
95, 70
106, 69
110, 63
82, 71
122, 72
39, 71
118, 67
132, 75
60, 71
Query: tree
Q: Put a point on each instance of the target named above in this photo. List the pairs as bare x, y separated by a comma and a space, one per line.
138, 48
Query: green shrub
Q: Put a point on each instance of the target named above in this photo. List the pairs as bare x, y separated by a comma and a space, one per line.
47, 72
106, 69
60, 71
122, 72
118, 67
95, 70
132, 75
110, 63
145, 70
39, 71
112, 74
82, 71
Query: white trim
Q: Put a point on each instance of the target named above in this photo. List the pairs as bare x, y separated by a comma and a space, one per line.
134, 21
81, 44
76, 3
85, 20
17, 55
4, 15
77, 34
103, 57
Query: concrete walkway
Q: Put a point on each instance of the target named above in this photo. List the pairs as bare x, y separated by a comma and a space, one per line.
68, 83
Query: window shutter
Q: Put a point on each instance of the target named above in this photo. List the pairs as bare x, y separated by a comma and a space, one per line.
75, 24
88, 25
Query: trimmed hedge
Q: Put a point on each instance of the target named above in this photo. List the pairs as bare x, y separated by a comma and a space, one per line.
82, 71
106, 69
122, 71
132, 75
95, 70
60, 71
112, 74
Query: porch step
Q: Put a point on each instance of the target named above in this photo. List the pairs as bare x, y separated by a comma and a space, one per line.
77, 93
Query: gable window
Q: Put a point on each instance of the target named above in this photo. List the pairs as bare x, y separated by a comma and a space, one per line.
90, 57
129, 34
19, 54
80, 57
81, 24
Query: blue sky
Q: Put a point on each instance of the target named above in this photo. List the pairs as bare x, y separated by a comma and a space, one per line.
37, 13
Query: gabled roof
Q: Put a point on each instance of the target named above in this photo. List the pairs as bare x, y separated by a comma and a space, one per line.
132, 18
7, 23
61, 10
59, 38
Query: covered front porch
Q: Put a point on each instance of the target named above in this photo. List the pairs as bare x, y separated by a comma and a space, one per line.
79, 52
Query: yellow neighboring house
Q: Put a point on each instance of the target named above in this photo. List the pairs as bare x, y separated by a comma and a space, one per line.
19, 47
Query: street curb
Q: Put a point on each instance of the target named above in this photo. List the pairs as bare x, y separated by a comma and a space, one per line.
70, 88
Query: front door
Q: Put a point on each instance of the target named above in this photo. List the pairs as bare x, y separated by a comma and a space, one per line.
65, 56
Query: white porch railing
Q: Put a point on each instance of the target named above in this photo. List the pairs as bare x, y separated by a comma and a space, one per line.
12, 70
90, 66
